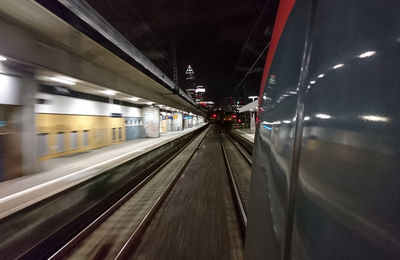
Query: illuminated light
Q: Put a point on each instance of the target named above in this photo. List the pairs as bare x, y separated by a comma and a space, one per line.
253, 98
267, 127
367, 54
264, 97
292, 92
214, 116
312, 82
2, 58
375, 118
323, 116
271, 123
308, 87
338, 66
307, 118
233, 116
149, 103
62, 80
321, 76
286, 121
133, 99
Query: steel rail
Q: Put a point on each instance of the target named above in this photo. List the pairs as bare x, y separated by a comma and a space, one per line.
133, 240
242, 151
235, 191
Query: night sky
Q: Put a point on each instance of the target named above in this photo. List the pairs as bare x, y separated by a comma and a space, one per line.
208, 35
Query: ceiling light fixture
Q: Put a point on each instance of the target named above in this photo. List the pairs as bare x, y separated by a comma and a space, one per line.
109, 92
62, 80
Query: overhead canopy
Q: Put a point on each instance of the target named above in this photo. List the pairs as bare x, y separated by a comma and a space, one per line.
32, 34
249, 107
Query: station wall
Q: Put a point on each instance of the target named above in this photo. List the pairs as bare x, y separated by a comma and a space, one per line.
68, 125
10, 89
60, 135
57, 104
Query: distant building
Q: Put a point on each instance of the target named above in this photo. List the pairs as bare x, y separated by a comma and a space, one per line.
207, 104
200, 94
190, 83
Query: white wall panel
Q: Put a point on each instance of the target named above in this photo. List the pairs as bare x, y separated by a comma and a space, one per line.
56, 104
10, 89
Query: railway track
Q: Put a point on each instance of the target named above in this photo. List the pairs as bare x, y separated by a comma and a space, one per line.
114, 234
238, 161
118, 230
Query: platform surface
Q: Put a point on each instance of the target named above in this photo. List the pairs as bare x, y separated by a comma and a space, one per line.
246, 133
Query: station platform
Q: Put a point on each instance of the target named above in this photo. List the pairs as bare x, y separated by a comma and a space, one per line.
64, 172
246, 133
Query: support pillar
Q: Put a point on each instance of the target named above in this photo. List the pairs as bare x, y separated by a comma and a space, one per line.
177, 121
30, 163
151, 121
252, 121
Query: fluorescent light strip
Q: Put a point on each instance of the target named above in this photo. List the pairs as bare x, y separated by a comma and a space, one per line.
109, 92
62, 80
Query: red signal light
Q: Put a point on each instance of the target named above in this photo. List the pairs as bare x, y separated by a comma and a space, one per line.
214, 116
233, 116
239, 120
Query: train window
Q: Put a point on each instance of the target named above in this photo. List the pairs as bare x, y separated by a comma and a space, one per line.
120, 133
43, 144
60, 142
74, 140
114, 135
85, 138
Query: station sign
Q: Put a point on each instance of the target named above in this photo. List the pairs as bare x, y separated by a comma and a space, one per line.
117, 115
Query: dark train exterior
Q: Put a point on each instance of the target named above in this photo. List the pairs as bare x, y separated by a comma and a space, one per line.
326, 174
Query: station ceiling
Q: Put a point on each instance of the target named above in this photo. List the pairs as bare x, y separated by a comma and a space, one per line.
34, 36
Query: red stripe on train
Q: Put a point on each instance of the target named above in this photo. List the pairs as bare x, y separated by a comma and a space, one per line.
285, 7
